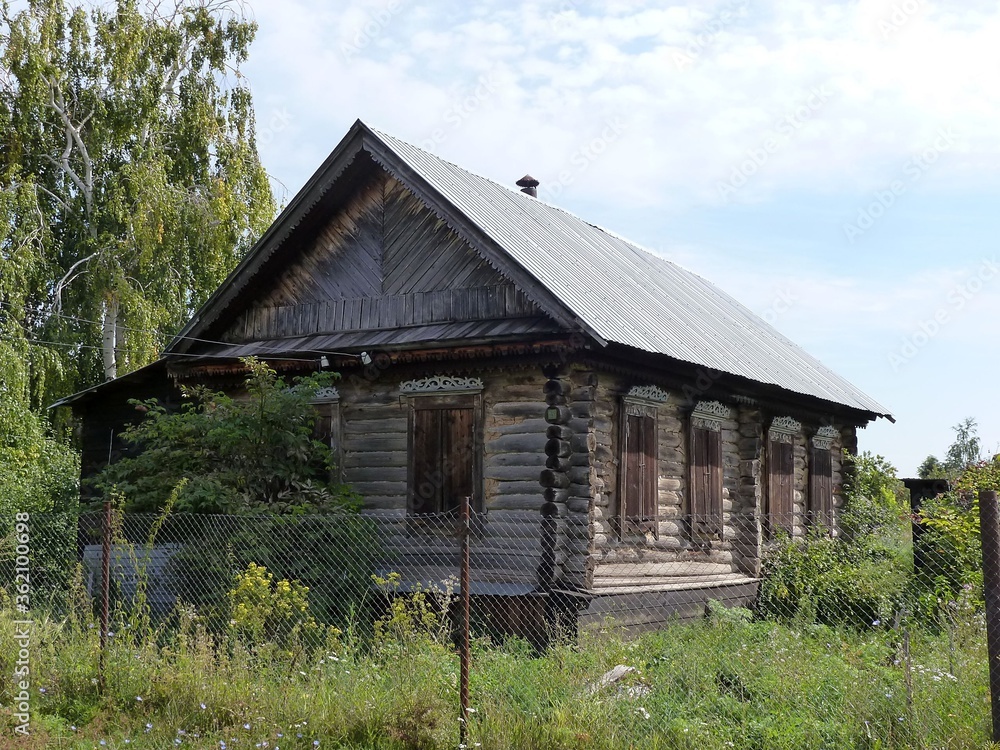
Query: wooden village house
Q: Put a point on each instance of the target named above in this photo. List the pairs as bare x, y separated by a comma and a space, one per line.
631, 436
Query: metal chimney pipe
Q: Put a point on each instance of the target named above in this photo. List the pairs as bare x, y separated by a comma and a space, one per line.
528, 185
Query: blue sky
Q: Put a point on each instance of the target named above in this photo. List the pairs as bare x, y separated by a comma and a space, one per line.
835, 167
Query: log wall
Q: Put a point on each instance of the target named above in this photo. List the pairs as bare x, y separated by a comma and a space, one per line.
374, 428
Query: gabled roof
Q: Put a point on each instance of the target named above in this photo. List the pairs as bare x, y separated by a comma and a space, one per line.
582, 275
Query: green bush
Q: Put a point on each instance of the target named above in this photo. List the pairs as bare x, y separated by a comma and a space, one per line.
831, 581
858, 578
255, 454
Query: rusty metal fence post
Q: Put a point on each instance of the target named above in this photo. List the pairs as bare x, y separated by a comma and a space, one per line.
105, 589
463, 690
989, 523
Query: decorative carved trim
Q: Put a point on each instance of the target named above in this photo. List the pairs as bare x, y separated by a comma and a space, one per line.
786, 425
784, 430
706, 423
713, 409
824, 437
649, 393
708, 415
637, 409
324, 395
440, 383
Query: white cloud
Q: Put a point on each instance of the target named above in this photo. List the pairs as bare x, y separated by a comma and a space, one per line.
563, 69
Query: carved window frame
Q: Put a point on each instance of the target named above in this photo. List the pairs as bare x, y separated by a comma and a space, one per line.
780, 462
705, 513
443, 392
822, 512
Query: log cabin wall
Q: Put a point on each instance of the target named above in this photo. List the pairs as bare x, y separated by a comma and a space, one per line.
672, 541
513, 458
578, 532
846, 440
374, 428
805, 508
748, 536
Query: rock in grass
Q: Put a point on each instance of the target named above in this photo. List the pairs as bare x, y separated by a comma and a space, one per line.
610, 677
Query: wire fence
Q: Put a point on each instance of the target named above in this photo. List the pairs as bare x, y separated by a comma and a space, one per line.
887, 626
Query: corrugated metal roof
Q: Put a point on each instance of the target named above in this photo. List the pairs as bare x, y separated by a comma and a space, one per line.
626, 294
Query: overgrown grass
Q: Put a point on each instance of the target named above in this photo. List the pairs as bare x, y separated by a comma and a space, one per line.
723, 683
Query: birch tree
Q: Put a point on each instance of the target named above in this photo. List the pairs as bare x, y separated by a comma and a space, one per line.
131, 179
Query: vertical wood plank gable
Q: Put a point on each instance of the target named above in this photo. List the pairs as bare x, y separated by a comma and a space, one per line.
386, 248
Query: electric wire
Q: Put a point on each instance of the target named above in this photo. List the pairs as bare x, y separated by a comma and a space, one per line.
263, 351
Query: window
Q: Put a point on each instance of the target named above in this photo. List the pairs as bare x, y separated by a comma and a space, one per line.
639, 474
326, 428
821, 477
780, 485
781, 473
443, 453
706, 470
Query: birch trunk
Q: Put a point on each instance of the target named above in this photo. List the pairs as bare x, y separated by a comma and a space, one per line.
109, 340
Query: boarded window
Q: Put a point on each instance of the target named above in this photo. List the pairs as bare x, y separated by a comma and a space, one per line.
821, 487
639, 469
442, 454
781, 485
706, 483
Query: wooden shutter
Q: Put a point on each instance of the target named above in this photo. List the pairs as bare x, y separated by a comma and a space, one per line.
821, 487
780, 493
640, 470
706, 483
442, 455
426, 490
456, 457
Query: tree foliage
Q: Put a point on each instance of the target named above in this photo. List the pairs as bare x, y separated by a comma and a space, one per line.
964, 451
254, 453
932, 468
129, 176
38, 473
874, 496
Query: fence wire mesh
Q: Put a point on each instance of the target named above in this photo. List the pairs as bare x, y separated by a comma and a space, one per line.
869, 635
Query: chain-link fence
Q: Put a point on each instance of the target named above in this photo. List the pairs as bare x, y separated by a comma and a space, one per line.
834, 634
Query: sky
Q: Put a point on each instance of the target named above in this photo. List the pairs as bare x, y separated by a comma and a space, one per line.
833, 166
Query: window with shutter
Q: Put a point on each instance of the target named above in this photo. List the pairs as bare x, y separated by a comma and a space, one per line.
443, 465
705, 452
821, 487
821, 478
780, 486
706, 483
326, 427
781, 473
639, 469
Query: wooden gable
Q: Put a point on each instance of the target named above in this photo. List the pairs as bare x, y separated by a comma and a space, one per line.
384, 260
